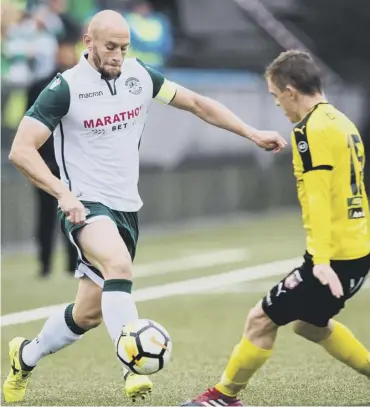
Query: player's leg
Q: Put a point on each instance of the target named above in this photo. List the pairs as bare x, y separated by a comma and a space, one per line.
103, 247
333, 336
111, 247
62, 329
249, 355
66, 325
282, 305
339, 342
253, 350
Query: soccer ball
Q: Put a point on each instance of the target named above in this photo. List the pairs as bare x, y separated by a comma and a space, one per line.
144, 347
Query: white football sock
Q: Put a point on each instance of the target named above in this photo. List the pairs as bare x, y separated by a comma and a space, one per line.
118, 306
59, 331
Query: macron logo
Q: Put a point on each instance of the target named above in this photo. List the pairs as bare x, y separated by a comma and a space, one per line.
90, 95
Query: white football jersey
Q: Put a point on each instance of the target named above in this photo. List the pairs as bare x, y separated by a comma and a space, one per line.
97, 126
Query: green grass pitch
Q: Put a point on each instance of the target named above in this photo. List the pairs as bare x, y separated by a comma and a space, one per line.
204, 328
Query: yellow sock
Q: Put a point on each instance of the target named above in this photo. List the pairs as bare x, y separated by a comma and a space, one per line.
343, 345
245, 360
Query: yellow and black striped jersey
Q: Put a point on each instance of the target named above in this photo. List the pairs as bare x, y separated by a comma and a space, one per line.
329, 161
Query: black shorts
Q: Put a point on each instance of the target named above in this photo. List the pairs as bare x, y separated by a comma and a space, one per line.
301, 296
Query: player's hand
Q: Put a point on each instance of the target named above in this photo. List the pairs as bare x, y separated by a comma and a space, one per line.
327, 276
72, 208
269, 140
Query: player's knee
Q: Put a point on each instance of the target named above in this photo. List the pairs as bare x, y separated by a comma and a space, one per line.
258, 323
117, 268
310, 332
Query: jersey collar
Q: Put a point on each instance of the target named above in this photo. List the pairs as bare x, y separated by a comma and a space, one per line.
321, 103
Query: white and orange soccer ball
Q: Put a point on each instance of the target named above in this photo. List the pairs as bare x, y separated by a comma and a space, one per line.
144, 347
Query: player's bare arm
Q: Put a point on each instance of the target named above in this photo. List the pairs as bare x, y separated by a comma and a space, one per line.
218, 115
30, 136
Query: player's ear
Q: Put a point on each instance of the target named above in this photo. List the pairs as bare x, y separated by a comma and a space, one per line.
292, 92
88, 42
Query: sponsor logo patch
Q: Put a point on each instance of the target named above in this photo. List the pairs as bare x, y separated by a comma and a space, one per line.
302, 146
356, 213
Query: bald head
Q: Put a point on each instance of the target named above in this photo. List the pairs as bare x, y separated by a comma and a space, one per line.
107, 20
107, 41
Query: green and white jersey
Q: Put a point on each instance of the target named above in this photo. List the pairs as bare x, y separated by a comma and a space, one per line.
97, 127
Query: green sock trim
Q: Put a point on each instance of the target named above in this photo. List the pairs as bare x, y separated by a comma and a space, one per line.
118, 285
68, 316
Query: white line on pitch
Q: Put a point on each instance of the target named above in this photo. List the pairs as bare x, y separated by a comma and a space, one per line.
193, 262
194, 285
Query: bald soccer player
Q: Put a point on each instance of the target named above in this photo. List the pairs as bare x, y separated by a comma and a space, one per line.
97, 112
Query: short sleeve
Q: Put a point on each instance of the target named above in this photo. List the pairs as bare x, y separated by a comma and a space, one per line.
314, 148
163, 89
52, 103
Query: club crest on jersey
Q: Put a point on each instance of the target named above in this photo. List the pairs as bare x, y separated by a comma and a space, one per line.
133, 85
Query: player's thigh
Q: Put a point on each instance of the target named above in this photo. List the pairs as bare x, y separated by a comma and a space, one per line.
106, 243
103, 247
87, 308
